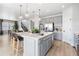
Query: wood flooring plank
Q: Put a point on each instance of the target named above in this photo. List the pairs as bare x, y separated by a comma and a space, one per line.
61, 49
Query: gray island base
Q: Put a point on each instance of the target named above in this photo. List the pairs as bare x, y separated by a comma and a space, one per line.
36, 44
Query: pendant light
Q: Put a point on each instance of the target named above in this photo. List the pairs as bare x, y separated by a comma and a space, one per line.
27, 14
39, 12
33, 14
20, 17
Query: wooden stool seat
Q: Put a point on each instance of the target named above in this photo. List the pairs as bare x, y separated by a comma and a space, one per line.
16, 43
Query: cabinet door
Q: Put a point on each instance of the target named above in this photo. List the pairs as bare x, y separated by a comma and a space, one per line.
39, 46
45, 44
49, 42
29, 47
42, 48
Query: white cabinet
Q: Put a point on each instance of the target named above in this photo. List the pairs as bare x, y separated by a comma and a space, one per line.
42, 48
45, 45
35, 44
49, 42
35, 47
29, 47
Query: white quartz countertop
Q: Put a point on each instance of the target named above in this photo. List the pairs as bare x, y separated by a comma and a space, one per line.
33, 35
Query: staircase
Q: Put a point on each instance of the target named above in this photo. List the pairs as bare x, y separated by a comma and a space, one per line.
24, 27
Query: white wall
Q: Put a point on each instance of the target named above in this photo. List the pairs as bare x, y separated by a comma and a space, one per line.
76, 19
67, 26
36, 21
56, 19
70, 23
7, 15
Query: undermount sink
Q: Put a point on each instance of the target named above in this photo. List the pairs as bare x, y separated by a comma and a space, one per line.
41, 34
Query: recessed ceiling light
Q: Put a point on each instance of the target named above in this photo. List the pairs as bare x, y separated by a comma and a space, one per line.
62, 6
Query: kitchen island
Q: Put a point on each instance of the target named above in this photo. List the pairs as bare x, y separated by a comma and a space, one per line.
36, 44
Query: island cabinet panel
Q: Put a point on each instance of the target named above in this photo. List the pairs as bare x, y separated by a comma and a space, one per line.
49, 43
29, 47
42, 48
36, 44
45, 45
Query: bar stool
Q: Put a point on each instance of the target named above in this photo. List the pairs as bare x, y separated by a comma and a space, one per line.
10, 37
19, 47
14, 43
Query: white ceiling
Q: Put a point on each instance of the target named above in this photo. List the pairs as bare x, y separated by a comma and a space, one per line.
11, 11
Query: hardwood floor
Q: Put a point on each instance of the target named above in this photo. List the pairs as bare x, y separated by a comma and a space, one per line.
59, 48
4, 46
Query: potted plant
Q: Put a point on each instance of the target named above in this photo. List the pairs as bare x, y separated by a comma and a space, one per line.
35, 30
15, 27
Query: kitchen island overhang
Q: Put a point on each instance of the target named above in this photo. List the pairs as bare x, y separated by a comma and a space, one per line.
36, 44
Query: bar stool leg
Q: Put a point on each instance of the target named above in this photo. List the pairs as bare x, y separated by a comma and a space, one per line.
13, 46
17, 47
21, 47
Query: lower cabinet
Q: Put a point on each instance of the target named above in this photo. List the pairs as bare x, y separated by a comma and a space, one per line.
29, 47
49, 43
58, 35
45, 45
37, 47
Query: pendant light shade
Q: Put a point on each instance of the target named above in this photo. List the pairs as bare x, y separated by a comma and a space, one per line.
26, 15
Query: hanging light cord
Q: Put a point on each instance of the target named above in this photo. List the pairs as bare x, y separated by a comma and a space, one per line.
20, 10
27, 8
39, 12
